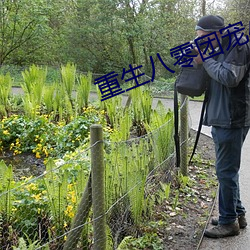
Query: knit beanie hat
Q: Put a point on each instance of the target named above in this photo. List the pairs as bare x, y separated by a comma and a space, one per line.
210, 23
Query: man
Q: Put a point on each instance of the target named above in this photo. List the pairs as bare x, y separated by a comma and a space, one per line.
228, 112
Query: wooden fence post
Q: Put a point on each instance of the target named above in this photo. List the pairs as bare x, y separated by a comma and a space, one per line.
80, 218
98, 195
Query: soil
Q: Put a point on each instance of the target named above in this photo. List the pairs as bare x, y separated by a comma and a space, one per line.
25, 164
186, 223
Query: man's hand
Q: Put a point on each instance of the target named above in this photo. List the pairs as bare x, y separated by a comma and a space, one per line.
198, 58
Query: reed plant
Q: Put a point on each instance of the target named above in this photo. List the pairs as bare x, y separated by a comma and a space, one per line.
56, 184
126, 172
141, 105
6, 196
146, 105
137, 180
83, 90
62, 106
68, 74
161, 132
114, 109
5, 90
136, 97
48, 97
122, 126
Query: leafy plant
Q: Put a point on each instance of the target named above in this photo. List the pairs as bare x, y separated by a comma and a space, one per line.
164, 191
68, 74
29, 244
147, 241
176, 199
56, 187
5, 90
6, 184
114, 111
184, 180
161, 126
48, 98
83, 90
30, 208
34, 81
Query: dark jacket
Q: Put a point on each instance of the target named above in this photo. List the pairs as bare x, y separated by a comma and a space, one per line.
228, 103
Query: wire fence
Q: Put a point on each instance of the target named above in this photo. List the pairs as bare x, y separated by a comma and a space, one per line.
54, 210
96, 199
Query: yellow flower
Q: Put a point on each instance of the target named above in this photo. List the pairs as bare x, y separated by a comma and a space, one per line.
45, 151
38, 155
31, 187
37, 196
14, 209
73, 199
16, 152
69, 211
6, 132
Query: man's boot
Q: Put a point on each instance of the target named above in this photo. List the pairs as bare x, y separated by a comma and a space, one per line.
241, 219
221, 230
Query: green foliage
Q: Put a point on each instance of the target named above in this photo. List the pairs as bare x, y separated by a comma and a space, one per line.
43, 137
126, 172
164, 192
29, 206
68, 74
56, 187
184, 181
83, 90
6, 184
100, 36
33, 85
127, 161
147, 241
161, 126
5, 90
117, 34
176, 199
141, 109
114, 110
23, 25
48, 98
29, 245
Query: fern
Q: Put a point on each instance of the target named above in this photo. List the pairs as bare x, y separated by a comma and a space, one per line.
56, 184
5, 90
33, 86
68, 74
161, 126
83, 90
6, 184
